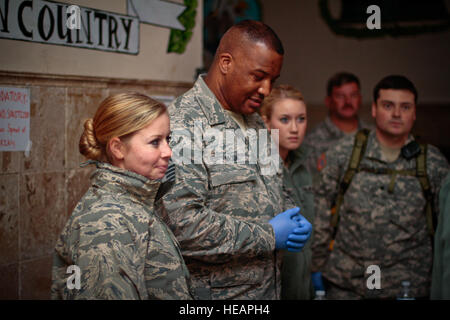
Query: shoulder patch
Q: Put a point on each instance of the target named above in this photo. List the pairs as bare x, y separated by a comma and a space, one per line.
321, 162
170, 172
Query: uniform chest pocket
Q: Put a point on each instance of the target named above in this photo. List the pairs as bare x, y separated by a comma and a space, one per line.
223, 175
231, 188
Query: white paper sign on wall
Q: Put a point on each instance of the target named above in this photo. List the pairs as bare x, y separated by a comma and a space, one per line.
14, 119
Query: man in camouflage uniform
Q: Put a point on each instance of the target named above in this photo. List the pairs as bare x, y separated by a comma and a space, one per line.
440, 282
121, 246
343, 101
219, 209
382, 218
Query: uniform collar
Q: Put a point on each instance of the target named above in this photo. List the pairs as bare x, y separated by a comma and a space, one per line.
215, 113
298, 157
208, 102
115, 179
332, 128
335, 131
373, 149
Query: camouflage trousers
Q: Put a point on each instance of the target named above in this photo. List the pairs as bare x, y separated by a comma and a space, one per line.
337, 293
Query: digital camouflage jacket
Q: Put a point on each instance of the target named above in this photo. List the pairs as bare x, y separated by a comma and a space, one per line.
219, 210
121, 246
382, 221
325, 135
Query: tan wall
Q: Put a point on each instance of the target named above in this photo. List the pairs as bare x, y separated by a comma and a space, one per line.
314, 53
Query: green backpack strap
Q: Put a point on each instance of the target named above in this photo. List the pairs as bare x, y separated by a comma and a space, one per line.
421, 173
353, 166
359, 148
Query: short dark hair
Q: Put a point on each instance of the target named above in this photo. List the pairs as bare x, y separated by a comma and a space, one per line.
257, 31
339, 79
396, 82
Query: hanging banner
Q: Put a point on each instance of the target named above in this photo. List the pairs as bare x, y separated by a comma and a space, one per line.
70, 25
157, 12
14, 119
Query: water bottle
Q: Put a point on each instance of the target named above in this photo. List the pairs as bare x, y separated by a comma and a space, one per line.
320, 295
405, 295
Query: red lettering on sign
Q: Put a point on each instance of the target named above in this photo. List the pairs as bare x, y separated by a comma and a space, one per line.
14, 114
7, 143
13, 96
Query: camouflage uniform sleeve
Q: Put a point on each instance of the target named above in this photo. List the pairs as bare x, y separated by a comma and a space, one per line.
289, 201
437, 169
440, 284
325, 193
205, 234
104, 252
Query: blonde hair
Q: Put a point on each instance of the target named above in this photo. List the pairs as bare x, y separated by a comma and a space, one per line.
282, 91
119, 115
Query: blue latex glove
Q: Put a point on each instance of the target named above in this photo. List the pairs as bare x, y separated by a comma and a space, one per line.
283, 225
317, 281
300, 235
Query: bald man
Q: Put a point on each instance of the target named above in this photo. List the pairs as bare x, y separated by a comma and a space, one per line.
221, 206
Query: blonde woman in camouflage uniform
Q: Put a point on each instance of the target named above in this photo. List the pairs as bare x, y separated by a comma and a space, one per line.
284, 109
115, 236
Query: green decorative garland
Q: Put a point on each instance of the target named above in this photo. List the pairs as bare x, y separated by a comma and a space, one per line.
179, 39
395, 31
